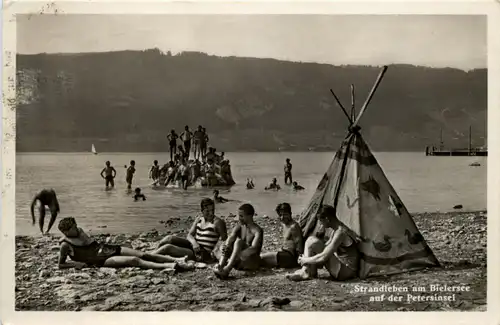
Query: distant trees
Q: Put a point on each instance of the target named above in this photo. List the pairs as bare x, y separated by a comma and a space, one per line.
116, 95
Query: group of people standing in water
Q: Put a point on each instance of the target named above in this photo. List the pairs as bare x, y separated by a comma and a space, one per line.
209, 242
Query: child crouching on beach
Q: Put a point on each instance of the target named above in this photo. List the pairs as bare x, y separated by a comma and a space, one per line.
87, 252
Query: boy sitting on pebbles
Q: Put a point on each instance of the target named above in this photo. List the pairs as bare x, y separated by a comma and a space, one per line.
242, 249
202, 238
293, 242
85, 251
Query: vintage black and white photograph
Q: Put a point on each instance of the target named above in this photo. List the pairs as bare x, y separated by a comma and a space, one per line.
251, 162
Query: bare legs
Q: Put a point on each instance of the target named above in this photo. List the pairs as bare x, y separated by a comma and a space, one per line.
133, 258
314, 246
175, 246
52, 220
41, 219
227, 263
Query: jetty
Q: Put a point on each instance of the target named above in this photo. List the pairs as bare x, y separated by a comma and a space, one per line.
469, 151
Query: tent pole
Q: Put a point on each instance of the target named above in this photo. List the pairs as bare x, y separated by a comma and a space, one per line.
341, 106
372, 92
353, 109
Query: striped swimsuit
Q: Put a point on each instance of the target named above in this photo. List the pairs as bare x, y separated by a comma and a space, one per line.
206, 235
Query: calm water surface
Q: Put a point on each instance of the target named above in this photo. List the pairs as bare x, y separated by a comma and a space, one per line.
424, 183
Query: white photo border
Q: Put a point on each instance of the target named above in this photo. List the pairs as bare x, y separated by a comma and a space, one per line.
9, 316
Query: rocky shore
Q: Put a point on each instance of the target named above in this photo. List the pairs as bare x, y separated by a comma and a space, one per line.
457, 239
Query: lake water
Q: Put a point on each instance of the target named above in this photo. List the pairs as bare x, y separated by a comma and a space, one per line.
425, 184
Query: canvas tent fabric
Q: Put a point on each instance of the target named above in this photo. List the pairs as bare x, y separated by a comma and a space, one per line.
389, 241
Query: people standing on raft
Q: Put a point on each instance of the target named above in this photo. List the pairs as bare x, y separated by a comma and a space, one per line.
172, 140
288, 171
273, 185
198, 137
46, 197
202, 239
87, 252
339, 255
293, 242
204, 144
186, 138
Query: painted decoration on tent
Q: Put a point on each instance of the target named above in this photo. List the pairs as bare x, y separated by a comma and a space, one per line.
371, 186
394, 206
369, 206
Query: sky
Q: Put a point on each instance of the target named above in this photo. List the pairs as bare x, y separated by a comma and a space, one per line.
428, 40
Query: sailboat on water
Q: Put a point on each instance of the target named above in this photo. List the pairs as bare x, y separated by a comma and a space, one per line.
93, 149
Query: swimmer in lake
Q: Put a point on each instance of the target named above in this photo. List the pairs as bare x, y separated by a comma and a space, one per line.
46, 197
250, 184
297, 187
109, 174
273, 186
219, 199
138, 195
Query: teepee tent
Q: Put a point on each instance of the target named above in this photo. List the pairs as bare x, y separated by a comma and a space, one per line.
366, 202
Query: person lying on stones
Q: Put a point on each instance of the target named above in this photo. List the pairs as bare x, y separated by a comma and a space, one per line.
46, 197
202, 239
243, 247
87, 252
293, 242
339, 255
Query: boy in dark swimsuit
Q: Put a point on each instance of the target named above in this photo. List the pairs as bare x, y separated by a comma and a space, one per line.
243, 247
109, 174
138, 195
154, 172
86, 252
204, 143
293, 242
186, 138
339, 254
200, 244
172, 141
130, 174
46, 198
197, 138
288, 171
